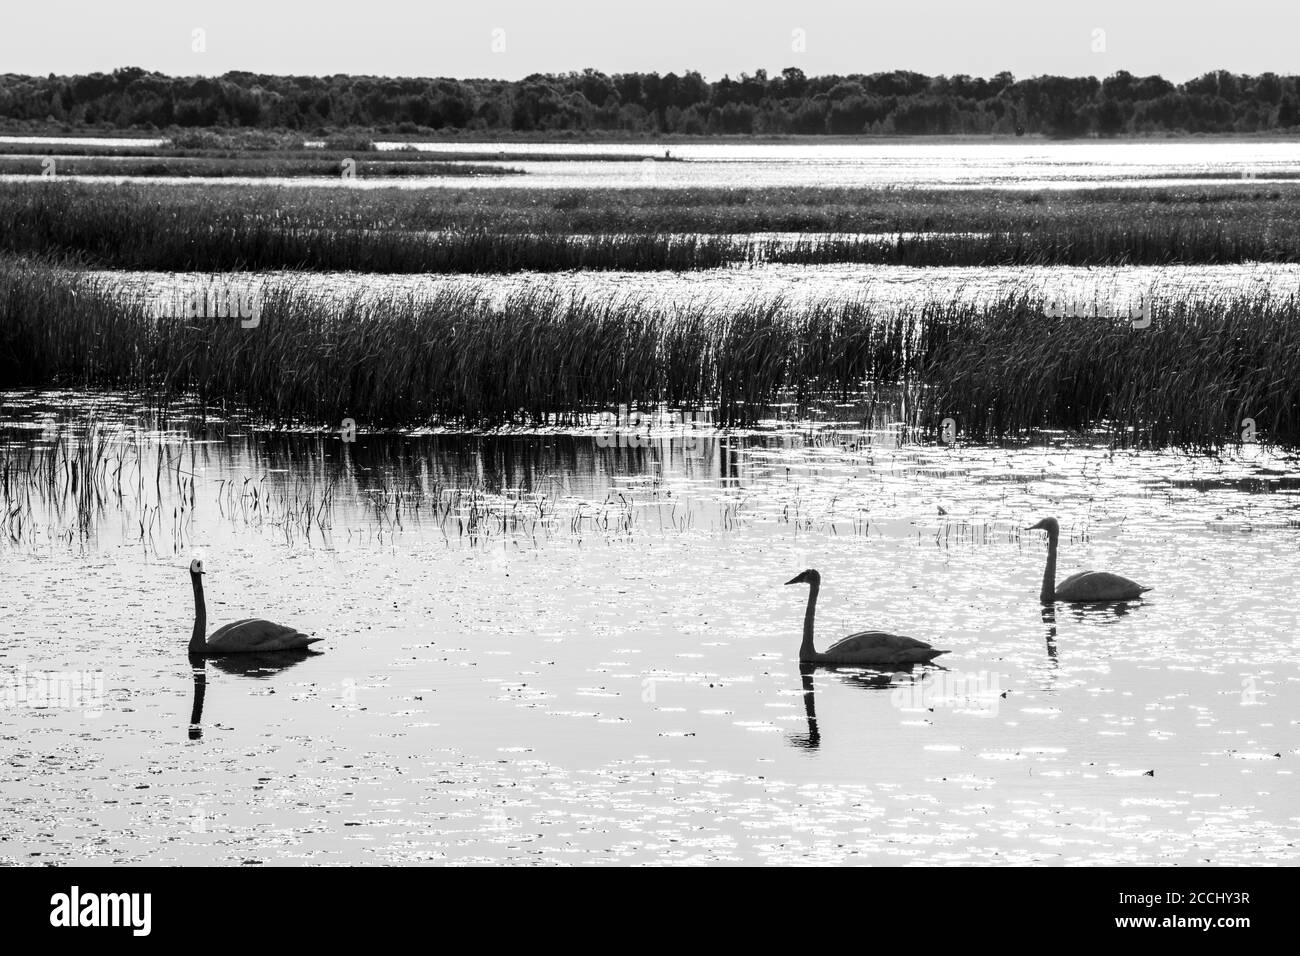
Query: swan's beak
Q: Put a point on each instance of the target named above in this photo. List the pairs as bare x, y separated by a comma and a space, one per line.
797, 579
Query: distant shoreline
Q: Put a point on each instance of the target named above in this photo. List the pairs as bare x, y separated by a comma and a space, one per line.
615, 138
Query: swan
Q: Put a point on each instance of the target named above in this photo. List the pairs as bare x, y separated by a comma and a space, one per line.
1086, 586
865, 647
242, 637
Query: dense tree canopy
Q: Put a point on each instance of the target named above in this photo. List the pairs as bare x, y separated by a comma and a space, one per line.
882, 103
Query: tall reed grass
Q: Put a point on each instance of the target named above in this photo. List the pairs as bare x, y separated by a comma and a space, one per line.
63, 487
315, 164
1191, 377
84, 476
119, 229
1195, 376
219, 227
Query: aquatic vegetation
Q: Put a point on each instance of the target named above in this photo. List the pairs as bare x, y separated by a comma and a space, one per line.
79, 475
1198, 371
64, 485
125, 230
244, 139
233, 145
324, 165
235, 226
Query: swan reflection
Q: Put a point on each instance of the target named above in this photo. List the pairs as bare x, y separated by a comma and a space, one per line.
256, 666
1049, 628
880, 677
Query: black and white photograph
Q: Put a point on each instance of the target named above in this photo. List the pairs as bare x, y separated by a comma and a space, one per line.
676, 434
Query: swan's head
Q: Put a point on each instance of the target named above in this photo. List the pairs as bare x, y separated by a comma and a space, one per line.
196, 566
1050, 525
807, 577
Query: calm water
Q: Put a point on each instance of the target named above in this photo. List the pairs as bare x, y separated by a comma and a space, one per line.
577, 648
1031, 164
916, 163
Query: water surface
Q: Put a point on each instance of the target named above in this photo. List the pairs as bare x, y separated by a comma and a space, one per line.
1116, 288
575, 647
1031, 164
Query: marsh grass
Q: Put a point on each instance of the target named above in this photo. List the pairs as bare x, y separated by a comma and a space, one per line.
228, 147
218, 227
1193, 377
1194, 241
96, 227
272, 165
63, 486
391, 360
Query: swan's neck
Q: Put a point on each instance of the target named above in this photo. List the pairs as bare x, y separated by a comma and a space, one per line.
806, 650
1048, 594
198, 642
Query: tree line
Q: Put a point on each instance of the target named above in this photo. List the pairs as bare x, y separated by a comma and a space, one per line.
897, 103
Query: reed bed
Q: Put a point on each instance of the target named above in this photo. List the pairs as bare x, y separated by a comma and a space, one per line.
83, 473
65, 486
1192, 376
307, 164
218, 227
1206, 371
98, 227
296, 147
1196, 241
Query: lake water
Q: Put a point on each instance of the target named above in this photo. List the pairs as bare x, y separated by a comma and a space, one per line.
574, 645
1030, 164
550, 647
1116, 288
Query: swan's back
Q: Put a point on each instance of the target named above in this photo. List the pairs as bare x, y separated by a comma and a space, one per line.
254, 634
1098, 586
878, 647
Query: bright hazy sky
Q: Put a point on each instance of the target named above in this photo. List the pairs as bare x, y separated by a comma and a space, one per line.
438, 38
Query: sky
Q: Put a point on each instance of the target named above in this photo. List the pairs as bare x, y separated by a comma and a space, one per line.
510, 39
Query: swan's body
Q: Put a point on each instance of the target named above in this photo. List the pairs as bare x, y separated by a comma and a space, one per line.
251, 635
1086, 586
864, 647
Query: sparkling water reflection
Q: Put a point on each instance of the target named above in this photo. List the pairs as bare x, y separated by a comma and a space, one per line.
570, 689
1113, 287
1030, 164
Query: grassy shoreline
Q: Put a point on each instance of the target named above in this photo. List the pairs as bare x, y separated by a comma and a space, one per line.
1192, 377
253, 166
40, 128
408, 154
